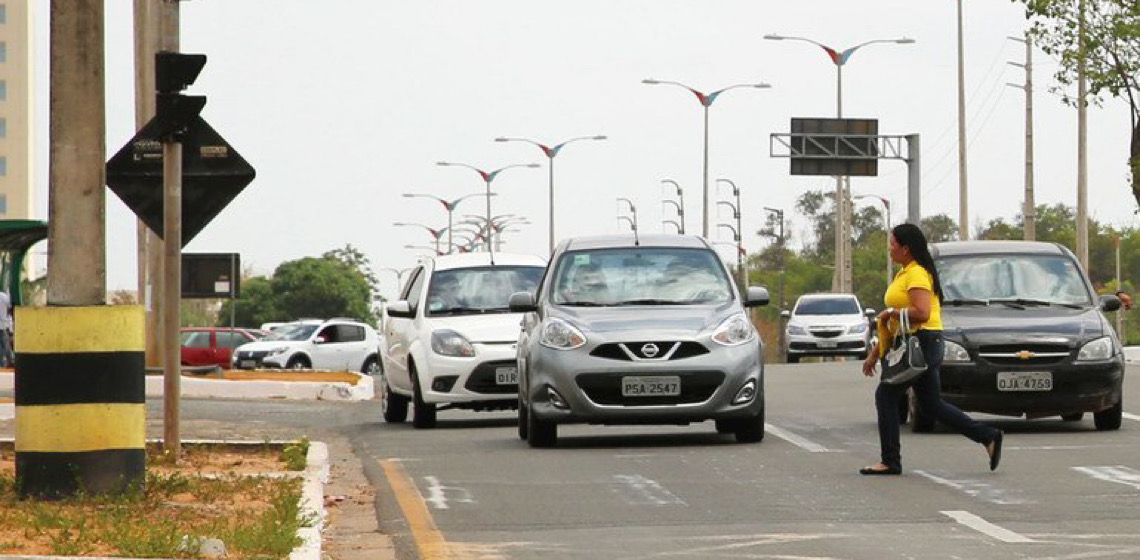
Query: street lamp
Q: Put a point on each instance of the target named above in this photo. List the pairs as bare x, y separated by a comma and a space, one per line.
436, 234
489, 229
423, 248
448, 205
679, 204
488, 177
887, 218
551, 153
632, 210
706, 101
840, 58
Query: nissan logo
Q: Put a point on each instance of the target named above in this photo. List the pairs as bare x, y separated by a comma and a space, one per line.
650, 350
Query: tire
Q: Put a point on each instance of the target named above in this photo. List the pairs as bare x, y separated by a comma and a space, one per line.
725, 427
920, 422
793, 359
540, 433
751, 430
393, 405
423, 414
1075, 417
371, 367
298, 363
522, 420
1109, 419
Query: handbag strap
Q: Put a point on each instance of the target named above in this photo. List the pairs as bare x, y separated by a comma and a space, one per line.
904, 323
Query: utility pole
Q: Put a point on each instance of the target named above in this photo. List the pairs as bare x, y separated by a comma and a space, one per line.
171, 277
783, 272
1082, 144
963, 207
148, 17
1029, 211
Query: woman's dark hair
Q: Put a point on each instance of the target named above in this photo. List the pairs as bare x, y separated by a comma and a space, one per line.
909, 236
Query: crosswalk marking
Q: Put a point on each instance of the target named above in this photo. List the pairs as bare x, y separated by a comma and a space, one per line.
976, 489
794, 439
986, 528
639, 490
1118, 474
1130, 416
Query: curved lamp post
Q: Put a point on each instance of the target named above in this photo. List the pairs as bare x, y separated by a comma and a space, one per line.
488, 177
679, 204
706, 101
436, 234
448, 205
632, 210
550, 152
422, 248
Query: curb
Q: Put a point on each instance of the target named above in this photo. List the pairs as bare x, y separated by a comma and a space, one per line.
316, 475
250, 389
1132, 354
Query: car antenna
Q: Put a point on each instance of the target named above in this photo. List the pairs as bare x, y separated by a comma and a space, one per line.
636, 238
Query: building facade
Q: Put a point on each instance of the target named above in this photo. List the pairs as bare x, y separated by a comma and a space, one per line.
17, 181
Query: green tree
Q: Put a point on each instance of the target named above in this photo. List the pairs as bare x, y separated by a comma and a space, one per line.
1112, 31
938, 228
322, 287
257, 305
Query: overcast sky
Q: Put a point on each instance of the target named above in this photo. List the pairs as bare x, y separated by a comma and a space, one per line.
343, 105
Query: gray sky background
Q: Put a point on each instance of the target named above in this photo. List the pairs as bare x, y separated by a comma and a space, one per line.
343, 105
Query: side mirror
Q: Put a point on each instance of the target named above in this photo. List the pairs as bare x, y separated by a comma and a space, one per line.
785, 314
522, 302
756, 297
1109, 303
870, 313
401, 309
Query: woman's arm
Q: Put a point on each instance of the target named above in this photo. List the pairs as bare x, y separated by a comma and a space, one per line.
917, 312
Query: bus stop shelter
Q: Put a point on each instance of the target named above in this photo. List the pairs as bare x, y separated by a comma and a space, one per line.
16, 238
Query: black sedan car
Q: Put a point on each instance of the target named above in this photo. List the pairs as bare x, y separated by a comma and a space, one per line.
1025, 334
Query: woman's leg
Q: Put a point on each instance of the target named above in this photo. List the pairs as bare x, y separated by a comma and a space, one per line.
887, 399
928, 391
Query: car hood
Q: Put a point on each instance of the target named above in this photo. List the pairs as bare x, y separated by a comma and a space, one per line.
998, 324
676, 320
265, 345
495, 328
813, 320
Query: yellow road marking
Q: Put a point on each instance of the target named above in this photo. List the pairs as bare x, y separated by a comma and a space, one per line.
429, 540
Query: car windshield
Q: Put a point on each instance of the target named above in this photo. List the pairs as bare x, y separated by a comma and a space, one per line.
827, 306
1032, 278
292, 332
640, 276
479, 290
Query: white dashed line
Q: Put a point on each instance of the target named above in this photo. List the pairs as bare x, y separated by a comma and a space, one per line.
796, 440
1118, 474
976, 489
986, 528
640, 491
437, 494
1130, 416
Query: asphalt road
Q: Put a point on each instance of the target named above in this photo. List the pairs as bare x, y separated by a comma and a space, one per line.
472, 489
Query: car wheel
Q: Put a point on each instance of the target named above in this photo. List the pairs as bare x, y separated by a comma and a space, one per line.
540, 433
423, 414
394, 406
920, 422
298, 363
725, 427
793, 359
371, 367
1075, 417
1109, 419
751, 430
522, 420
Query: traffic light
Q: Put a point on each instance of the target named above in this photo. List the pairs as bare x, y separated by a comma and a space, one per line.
174, 72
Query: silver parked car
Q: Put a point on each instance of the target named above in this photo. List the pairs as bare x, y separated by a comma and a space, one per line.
828, 325
638, 331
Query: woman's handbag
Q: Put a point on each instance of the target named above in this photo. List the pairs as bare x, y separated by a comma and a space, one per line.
904, 360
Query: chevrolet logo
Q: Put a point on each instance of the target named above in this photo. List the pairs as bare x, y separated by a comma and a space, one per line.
1026, 355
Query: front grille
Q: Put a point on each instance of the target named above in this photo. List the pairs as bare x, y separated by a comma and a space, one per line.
1010, 354
605, 388
252, 355
850, 345
674, 350
482, 379
829, 333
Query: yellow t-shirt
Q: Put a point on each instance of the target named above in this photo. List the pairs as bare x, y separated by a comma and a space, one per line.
912, 276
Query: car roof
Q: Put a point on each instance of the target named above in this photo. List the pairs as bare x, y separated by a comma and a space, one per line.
617, 241
471, 260
828, 296
956, 248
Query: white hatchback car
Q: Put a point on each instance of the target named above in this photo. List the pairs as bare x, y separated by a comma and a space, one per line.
828, 325
335, 344
451, 337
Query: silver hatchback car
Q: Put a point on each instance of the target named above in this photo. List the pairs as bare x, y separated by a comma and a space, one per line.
623, 330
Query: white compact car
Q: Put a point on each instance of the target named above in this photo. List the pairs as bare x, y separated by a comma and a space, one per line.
451, 337
335, 344
828, 325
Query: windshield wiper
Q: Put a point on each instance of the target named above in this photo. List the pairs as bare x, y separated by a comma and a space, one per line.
651, 301
1026, 301
458, 311
960, 302
583, 304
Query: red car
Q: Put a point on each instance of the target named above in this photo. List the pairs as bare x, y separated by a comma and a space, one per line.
209, 346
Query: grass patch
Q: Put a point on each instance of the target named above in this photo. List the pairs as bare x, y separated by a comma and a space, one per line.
256, 516
295, 455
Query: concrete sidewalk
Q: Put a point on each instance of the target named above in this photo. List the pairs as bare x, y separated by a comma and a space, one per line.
273, 386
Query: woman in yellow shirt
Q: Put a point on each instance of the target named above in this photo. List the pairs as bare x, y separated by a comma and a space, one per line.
916, 290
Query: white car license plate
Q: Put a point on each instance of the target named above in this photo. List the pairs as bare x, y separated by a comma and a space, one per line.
827, 344
1025, 381
507, 375
658, 386
248, 364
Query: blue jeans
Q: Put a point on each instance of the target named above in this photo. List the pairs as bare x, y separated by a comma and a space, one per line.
927, 389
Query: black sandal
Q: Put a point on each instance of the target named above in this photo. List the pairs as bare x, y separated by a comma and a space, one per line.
995, 455
871, 471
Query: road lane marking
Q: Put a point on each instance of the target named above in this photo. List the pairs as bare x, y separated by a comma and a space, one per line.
428, 538
1118, 474
986, 528
638, 490
1130, 416
976, 489
437, 493
796, 440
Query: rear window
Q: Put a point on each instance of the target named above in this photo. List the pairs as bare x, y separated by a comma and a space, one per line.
827, 306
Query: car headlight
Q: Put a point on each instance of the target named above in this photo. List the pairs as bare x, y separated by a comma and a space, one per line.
278, 350
954, 353
1099, 349
796, 330
560, 335
734, 331
857, 329
446, 342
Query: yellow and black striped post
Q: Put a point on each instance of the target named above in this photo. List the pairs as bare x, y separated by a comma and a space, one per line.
80, 400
